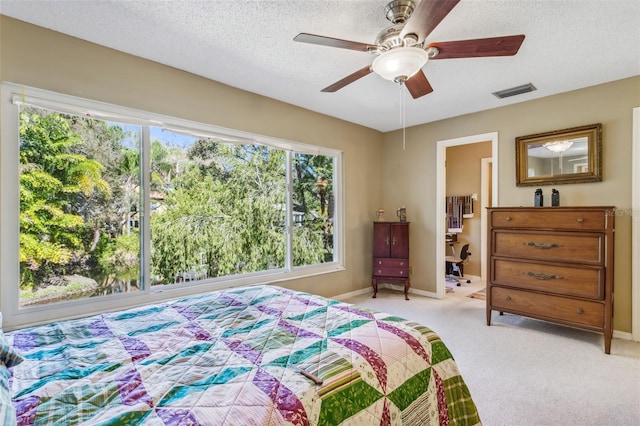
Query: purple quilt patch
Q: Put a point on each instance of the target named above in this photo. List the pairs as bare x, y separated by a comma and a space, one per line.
26, 409
413, 343
136, 348
25, 341
285, 401
131, 388
177, 417
99, 328
375, 360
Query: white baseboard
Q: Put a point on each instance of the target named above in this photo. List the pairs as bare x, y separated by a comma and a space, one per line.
424, 293
388, 286
622, 335
353, 294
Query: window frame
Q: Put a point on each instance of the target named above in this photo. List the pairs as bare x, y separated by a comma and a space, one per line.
13, 95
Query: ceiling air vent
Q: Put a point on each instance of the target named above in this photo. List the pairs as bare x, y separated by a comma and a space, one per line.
519, 90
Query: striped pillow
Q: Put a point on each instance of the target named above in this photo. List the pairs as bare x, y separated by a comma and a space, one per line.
8, 358
8, 355
7, 411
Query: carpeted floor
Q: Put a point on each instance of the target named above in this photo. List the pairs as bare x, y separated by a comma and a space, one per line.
526, 372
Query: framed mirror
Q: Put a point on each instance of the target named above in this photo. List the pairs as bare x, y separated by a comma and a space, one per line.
560, 157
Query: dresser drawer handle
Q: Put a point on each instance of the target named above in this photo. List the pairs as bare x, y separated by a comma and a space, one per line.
507, 298
580, 220
543, 246
539, 276
508, 218
579, 311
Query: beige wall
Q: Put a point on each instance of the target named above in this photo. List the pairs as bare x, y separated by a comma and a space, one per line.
409, 176
44, 59
40, 58
463, 178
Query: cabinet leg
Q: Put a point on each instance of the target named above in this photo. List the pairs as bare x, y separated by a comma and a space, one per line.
488, 316
374, 284
607, 342
407, 284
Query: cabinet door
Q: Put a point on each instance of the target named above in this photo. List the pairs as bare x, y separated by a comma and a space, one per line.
400, 240
381, 239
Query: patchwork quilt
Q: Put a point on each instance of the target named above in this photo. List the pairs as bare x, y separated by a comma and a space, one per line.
260, 355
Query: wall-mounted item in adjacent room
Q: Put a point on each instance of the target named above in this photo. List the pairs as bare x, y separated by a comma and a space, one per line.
562, 156
458, 208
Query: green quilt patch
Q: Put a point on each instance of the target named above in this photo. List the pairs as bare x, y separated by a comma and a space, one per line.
403, 396
439, 352
344, 403
461, 407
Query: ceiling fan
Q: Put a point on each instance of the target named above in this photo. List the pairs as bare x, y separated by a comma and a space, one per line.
401, 51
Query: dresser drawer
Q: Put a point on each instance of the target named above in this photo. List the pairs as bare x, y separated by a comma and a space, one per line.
390, 272
543, 306
553, 218
581, 281
391, 267
390, 263
554, 246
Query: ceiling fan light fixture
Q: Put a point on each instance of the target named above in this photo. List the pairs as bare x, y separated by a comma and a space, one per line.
400, 64
558, 146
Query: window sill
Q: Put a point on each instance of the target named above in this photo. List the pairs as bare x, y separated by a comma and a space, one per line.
42, 314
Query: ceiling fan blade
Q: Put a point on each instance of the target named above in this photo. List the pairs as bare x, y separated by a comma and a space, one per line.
334, 42
418, 85
480, 47
348, 79
426, 17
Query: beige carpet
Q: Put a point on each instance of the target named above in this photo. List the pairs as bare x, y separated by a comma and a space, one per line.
526, 372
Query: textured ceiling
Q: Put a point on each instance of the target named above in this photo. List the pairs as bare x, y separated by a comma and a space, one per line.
569, 45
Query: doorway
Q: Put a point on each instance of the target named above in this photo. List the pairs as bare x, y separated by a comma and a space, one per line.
441, 228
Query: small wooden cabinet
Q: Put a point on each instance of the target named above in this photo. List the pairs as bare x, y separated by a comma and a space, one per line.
554, 264
391, 255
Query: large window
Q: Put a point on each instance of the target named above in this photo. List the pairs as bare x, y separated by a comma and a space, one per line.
110, 203
79, 192
217, 209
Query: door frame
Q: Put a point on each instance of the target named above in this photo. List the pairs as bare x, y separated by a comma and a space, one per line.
485, 190
441, 180
635, 227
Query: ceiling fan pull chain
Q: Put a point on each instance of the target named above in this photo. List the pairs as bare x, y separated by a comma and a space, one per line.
402, 115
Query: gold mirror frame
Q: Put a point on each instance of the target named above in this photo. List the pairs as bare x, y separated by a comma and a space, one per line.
559, 157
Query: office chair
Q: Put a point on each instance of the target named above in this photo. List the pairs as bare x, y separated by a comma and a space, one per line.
459, 262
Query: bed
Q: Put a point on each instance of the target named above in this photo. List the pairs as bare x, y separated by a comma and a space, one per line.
260, 355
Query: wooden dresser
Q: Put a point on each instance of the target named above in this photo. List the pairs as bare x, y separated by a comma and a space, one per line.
554, 264
390, 255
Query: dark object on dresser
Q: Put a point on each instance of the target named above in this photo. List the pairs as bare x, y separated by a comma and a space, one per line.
554, 264
391, 255
538, 198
